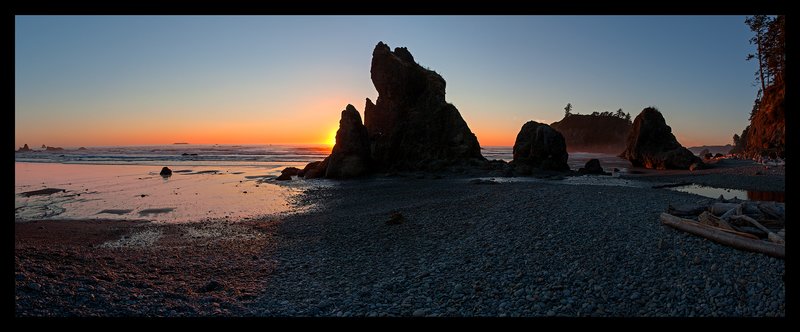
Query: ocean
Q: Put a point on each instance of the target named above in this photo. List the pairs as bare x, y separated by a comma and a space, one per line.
273, 157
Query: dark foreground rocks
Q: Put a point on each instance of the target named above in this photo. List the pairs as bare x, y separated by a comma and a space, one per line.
287, 173
127, 268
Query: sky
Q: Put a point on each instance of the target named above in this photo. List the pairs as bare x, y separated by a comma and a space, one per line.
141, 80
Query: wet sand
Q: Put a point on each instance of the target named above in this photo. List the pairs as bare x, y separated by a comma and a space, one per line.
124, 192
541, 247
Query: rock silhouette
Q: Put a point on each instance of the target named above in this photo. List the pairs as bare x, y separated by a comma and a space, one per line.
411, 126
594, 133
165, 172
287, 173
540, 146
315, 169
651, 144
350, 156
24, 148
592, 167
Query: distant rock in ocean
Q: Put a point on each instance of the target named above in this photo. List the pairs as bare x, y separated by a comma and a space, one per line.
44, 146
592, 167
24, 148
53, 148
81, 148
411, 126
651, 144
539, 146
350, 156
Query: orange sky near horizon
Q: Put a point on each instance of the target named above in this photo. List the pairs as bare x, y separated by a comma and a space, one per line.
295, 128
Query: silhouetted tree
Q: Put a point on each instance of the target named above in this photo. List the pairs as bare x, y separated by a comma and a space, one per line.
735, 139
567, 110
770, 40
775, 48
628, 117
595, 113
759, 24
620, 114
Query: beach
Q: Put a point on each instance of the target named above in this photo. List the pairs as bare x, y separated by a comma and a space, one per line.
574, 246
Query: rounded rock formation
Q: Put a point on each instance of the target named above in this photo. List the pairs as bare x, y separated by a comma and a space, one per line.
592, 167
540, 146
651, 144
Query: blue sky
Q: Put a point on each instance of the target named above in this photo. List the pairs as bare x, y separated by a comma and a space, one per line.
100, 80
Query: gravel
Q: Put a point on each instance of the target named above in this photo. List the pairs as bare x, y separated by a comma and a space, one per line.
516, 248
535, 248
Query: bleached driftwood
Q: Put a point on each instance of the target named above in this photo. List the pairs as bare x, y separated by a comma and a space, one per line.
710, 219
772, 210
733, 211
723, 236
721, 208
770, 234
685, 209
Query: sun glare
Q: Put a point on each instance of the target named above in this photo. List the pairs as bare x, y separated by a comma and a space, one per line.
332, 138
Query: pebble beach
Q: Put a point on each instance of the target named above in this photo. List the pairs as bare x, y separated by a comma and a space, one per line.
462, 248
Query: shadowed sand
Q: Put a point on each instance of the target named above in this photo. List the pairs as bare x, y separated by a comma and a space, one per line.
536, 247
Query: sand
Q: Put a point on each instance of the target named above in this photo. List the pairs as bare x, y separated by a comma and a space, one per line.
523, 247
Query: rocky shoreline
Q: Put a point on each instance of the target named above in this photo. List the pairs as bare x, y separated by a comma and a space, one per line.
537, 248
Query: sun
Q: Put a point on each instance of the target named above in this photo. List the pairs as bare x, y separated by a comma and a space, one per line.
332, 138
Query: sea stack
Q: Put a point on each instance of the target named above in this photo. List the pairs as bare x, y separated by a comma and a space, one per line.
651, 144
350, 156
411, 126
539, 146
24, 148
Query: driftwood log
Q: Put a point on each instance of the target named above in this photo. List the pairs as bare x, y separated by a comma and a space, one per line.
770, 234
725, 237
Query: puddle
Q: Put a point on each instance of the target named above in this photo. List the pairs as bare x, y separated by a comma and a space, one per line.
115, 211
155, 211
593, 180
713, 192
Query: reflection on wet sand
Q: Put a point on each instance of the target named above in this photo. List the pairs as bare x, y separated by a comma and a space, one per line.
79, 191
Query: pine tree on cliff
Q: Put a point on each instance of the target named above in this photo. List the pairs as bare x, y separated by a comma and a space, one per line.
758, 24
766, 132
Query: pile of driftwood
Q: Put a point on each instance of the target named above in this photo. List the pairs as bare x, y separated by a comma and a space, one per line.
746, 225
